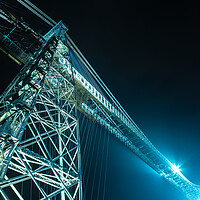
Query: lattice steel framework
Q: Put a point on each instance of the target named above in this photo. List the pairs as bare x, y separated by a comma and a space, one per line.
39, 128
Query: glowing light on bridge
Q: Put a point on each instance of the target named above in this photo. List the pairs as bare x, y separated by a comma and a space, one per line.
176, 169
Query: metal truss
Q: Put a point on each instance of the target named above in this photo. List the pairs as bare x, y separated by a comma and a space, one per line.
40, 147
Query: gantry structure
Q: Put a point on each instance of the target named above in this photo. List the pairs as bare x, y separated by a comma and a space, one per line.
39, 127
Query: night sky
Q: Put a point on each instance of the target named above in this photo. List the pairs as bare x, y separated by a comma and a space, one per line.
148, 55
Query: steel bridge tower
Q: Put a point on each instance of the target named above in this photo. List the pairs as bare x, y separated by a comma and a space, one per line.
39, 135
39, 128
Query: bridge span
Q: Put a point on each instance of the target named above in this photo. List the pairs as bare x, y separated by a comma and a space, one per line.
56, 76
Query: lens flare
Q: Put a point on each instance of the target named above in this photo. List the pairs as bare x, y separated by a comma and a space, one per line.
176, 169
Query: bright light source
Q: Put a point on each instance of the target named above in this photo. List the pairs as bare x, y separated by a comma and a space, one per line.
176, 169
